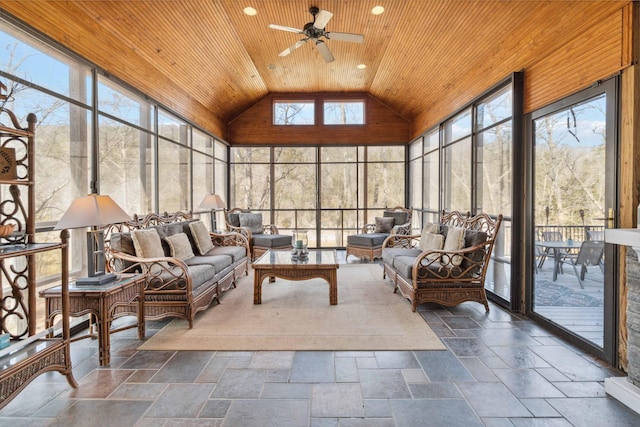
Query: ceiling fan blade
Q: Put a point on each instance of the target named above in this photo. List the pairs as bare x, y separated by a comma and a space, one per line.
346, 37
283, 28
324, 51
322, 18
290, 49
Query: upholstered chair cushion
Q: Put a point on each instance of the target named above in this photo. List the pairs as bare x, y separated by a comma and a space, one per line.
474, 238
234, 219
454, 242
122, 242
369, 240
384, 224
235, 252
272, 240
180, 246
399, 217
252, 221
201, 237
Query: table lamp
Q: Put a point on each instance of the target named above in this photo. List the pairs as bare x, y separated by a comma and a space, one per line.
214, 203
93, 211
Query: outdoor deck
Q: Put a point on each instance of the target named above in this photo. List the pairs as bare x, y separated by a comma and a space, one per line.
565, 303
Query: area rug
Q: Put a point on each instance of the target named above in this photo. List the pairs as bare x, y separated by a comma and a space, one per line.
296, 315
553, 294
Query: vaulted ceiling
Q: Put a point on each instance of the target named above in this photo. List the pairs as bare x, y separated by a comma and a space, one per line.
210, 61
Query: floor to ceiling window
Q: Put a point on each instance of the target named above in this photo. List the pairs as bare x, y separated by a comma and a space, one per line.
330, 192
295, 190
466, 164
96, 134
338, 194
494, 180
126, 151
573, 144
456, 170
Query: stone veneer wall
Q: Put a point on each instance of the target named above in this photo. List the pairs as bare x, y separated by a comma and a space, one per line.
633, 317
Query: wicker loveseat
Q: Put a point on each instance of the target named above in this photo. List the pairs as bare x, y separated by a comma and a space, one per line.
187, 267
261, 237
453, 274
368, 244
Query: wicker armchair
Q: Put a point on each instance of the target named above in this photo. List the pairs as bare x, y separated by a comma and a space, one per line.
368, 244
261, 237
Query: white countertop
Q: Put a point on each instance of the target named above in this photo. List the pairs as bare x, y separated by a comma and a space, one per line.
623, 236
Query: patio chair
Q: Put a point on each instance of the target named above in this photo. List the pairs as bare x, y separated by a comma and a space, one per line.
595, 235
547, 236
261, 237
590, 254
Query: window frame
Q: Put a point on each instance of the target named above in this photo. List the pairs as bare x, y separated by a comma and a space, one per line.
277, 102
344, 101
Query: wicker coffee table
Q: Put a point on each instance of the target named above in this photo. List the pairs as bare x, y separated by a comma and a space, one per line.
321, 264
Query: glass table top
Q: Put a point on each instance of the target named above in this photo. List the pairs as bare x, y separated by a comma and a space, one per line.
315, 257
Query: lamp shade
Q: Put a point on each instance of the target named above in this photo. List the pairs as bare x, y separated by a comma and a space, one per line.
212, 202
92, 211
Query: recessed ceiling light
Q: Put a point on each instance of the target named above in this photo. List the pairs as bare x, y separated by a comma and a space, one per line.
250, 11
377, 10
361, 66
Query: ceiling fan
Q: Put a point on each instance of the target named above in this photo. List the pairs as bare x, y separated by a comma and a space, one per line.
315, 31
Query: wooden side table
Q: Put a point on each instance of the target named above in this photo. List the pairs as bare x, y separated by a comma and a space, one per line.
106, 302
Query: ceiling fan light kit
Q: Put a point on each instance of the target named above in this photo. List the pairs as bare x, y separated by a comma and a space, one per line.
316, 31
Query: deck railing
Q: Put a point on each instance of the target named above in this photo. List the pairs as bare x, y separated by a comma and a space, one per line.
575, 232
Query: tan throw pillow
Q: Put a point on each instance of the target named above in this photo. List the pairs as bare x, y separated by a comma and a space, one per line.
432, 241
147, 243
430, 228
383, 224
201, 236
455, 242
179, 246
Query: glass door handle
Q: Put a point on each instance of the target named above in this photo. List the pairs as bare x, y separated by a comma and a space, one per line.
610, 218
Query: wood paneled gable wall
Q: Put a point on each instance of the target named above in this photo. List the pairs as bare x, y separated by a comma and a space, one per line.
382, 125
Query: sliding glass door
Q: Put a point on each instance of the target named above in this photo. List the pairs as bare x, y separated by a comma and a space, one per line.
574, 145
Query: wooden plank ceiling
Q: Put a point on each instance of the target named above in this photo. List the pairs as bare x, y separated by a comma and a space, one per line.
208, 56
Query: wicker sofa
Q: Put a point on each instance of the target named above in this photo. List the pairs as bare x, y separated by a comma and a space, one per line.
187, 267
446, 264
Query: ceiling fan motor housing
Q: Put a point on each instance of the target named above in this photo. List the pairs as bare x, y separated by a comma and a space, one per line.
312, 32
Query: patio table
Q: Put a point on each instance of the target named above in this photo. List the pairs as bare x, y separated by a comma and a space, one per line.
559, 248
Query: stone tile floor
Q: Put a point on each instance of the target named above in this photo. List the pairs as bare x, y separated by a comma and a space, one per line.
500, 369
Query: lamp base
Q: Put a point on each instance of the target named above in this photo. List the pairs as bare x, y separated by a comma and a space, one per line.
101, 279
